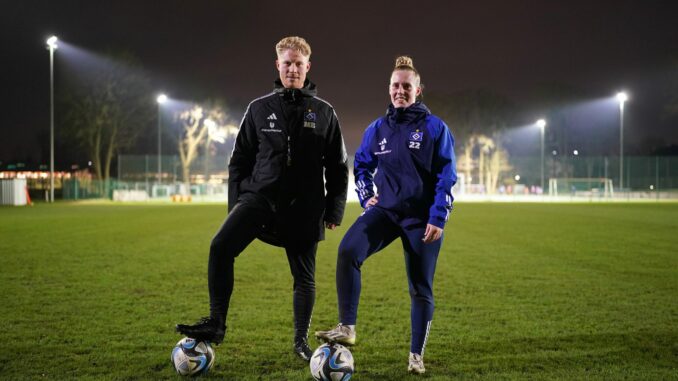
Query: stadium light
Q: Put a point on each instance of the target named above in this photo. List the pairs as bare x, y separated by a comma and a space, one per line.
162, 98
51, 46
622, 97
541, 123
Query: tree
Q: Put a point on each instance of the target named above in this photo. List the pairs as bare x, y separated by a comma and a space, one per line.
201, 125
473, 111
497, 164
474, 115
194, 132
107, 108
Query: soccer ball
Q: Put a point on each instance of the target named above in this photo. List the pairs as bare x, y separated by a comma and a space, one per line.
332, 362
191, 357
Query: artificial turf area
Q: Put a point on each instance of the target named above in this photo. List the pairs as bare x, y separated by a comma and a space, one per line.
523, 291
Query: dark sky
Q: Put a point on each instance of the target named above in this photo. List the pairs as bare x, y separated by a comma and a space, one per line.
221, 49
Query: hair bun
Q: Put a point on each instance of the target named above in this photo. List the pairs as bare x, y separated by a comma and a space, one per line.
404, 61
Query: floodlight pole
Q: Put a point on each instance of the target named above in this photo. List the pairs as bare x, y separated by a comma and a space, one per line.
51, 45
541, 123
159, 145
622, 97
621, 144
162, 98
542, 159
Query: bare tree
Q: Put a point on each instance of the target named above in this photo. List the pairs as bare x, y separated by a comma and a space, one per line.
193, 133
107, 110
485, 145
201, 127
473, 116
466, 164
497, 164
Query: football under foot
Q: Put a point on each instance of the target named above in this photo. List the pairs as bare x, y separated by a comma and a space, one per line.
208, 329
341, 334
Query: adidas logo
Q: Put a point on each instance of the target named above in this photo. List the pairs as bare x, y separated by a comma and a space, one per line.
272, 117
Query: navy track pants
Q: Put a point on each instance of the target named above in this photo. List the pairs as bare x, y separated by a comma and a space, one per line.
371, 232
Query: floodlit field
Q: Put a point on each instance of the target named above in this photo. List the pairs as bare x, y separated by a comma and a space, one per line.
523, 291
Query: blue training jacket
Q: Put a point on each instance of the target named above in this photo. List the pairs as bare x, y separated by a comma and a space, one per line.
412, 153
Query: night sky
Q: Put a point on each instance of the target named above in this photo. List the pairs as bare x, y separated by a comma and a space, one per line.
196, 50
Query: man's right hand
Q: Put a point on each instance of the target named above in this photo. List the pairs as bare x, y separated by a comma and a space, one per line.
371, 202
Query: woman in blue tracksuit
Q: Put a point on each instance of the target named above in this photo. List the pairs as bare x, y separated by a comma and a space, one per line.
412, 153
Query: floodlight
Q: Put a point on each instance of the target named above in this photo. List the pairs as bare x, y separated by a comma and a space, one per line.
622, 97
541, 123
162, 98
52, 42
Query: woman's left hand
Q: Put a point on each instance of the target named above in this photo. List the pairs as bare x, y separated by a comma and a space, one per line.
432, 233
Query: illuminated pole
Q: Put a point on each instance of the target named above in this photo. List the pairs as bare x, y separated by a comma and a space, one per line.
162, 98
52, 46
621, 98
541, 123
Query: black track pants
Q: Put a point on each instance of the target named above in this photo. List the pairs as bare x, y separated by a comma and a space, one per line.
241, 227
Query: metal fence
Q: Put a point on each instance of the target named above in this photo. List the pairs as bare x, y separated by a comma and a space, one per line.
168, 169
641, 173
83, 189
644, 177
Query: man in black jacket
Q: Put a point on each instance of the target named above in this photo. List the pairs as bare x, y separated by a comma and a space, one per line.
288, 141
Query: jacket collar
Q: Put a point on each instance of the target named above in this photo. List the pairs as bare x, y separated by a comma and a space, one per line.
294, 95
407, 114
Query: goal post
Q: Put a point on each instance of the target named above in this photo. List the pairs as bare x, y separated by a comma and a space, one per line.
581, 187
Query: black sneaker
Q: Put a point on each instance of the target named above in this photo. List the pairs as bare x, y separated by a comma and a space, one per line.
302, 350
206, 329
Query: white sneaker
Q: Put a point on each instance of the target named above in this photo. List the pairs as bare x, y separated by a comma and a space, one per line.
416, 365
342, 334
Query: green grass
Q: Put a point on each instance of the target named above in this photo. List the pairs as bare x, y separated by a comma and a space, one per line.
523, 291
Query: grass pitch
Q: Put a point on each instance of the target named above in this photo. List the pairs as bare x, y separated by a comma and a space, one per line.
523, 291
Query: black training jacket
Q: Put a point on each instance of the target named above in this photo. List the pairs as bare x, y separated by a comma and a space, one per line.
288, 140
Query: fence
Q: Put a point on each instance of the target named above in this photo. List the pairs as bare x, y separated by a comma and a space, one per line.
168, 169
641, 173
644, 176
79, 189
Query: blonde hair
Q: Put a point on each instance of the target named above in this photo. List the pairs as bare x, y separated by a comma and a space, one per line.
406, 63
295, 43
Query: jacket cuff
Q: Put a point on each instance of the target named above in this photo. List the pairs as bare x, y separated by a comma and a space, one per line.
437, 221
363, 202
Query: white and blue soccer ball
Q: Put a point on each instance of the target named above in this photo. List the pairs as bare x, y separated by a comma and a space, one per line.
191, 357
332, 362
